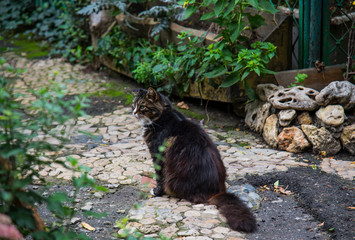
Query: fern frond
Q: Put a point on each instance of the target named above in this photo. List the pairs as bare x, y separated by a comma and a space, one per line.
164, 24
102, 5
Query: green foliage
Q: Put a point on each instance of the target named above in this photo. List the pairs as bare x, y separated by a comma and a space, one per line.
14, 13
21, 149
99, 5
54, 21
151, 65
164, 14
231, 17
299, 80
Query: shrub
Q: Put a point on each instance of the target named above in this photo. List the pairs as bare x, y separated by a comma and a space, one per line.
21, 151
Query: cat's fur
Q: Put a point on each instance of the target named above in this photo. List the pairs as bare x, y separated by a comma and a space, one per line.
191, 167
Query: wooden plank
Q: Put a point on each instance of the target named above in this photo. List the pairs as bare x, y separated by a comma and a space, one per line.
316, 80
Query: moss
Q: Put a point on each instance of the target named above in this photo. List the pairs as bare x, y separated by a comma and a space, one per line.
190, 114
32, 49
115, 90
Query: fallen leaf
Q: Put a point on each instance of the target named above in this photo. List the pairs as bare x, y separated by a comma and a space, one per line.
351, 208
352, 163
282, 190
87, 226
183, 105
321, 224
264, 188
237, 129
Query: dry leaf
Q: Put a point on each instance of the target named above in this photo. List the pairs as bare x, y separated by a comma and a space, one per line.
183, 105
264, 188
352, 163
87, 226
351, 208
282, 190
237, 129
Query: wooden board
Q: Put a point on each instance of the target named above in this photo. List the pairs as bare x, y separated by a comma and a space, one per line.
316, 80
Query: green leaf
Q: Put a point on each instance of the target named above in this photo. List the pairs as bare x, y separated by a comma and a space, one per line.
267, 71
6, 196
254, 3
216, 72
189, 11
277, 183
265, 5
236, 30
249, 91
256, 21
207, 16
220, 5
230, 8
233, 78
245, 74
158, 68
12, 152
257, 70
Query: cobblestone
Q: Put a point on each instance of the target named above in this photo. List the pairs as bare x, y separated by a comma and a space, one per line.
120, 157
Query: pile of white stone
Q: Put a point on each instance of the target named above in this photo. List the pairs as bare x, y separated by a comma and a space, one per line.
298, 119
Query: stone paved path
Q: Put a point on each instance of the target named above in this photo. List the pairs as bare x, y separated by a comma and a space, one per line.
118, 156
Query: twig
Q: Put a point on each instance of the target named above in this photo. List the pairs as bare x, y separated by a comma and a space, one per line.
206, 111
351, 52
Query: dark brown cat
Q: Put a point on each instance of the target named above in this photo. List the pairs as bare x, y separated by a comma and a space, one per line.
192, 167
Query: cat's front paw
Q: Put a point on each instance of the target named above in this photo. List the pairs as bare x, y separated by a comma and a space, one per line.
158, 191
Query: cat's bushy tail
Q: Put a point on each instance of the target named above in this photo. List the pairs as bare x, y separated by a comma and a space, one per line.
238, 215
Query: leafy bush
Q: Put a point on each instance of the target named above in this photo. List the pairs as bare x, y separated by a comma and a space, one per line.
231, 17
24, 134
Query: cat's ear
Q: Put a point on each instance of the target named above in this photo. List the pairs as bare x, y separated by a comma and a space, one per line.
137, 91
152, 94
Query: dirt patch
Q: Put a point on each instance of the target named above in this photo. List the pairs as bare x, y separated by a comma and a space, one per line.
326, 197
280, 217
115, 204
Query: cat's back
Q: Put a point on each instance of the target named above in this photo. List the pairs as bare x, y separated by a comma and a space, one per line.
191, 133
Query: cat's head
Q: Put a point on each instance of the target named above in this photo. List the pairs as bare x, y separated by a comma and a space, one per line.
148, 105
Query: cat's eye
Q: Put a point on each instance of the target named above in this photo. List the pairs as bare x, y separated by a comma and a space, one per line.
142, 107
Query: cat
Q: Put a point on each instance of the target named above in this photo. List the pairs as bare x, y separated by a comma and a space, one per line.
191, 168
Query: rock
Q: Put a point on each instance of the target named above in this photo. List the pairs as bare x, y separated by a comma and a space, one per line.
298, 98
337, 92
332, 115
75, 220
292, 140
322, 140
257, 112
348, 138
270, 130
304, 118
286, 117
87, 206
265, 90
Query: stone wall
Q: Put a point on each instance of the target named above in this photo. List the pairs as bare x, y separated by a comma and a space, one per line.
299, 119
